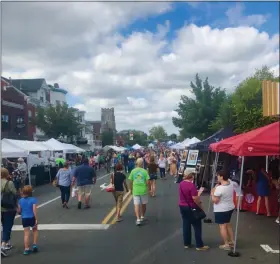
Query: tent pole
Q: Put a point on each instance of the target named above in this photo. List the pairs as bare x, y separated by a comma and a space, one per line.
266, 163
206, 165
29, 169
214, 170
234, 253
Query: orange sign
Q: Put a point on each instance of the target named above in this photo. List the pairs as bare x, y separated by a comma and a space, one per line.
270, 98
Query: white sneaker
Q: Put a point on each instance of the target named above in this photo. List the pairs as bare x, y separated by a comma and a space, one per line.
277, 221
142, 219
138, 222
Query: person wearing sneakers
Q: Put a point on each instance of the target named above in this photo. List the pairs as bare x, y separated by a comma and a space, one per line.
27, 208
189, 199
222, 197
139, 187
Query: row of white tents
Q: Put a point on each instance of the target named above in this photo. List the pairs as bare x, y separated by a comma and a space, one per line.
121, 149
11, 148
185, 144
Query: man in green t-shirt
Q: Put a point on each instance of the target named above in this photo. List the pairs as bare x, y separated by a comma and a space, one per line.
60, 161
139, 188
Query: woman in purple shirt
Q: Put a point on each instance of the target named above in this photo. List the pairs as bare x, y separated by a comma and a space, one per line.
189, 198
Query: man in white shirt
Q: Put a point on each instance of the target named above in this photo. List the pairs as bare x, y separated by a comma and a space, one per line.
22, 167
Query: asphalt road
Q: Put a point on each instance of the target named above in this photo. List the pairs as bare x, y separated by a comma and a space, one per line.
158, 241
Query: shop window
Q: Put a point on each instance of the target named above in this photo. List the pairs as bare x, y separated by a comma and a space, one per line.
20, 120
5, 121
29, 114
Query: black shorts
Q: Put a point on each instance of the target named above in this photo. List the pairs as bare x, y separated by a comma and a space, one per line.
153, 177
223, 217
28, 222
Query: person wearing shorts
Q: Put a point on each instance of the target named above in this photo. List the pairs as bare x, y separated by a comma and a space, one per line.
152, 168
27, 208
222, 197
85, 177
118, 179
139, 178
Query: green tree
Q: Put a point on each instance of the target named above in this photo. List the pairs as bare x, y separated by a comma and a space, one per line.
107, 138
225, 116
139, 137
247, 102
196, 114
173, 137
58, 121
158, 132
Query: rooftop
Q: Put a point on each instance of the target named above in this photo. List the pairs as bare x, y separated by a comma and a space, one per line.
59, 90
27, 85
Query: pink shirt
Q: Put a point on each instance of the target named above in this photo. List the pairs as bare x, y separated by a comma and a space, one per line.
186, 191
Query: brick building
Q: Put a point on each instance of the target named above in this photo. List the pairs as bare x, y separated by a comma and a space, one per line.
14, 115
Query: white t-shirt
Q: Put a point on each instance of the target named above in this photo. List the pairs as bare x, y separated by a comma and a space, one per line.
236, 188
162, 163
225, 193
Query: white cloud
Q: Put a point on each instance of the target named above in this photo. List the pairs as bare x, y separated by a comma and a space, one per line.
138, 103
275, 69
141, 74
236, 17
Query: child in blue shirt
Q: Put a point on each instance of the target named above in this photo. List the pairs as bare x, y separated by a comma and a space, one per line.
28, 209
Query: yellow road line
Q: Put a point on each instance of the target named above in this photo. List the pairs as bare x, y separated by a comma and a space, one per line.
124, 207
112, 212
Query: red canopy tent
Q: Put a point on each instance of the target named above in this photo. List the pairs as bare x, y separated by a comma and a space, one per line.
264, 141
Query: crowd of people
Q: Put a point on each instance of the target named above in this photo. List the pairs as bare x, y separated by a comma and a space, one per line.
143, 168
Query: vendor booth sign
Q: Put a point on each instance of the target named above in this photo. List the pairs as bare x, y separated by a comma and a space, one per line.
192, 157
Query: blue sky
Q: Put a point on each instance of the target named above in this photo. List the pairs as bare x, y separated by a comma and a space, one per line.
213, 14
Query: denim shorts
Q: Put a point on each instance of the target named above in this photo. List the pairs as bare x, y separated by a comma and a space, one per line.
153, 176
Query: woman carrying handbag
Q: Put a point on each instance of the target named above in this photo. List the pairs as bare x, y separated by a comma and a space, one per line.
191, 212
118, 182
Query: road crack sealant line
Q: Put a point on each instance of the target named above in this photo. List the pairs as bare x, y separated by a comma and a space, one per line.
58, 197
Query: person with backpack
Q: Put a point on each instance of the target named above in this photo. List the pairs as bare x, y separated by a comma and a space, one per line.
8, 210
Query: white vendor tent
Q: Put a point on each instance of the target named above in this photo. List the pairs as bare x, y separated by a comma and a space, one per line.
151, 145
193, 141
115, 148
27, 146
184, 144
58, 146
177, 146
170, 143
77, 149
136, 146
10, 151
30, 146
